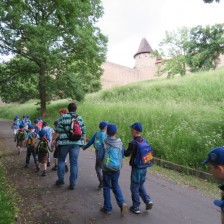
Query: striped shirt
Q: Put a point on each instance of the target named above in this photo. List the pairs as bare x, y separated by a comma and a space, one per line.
65, 124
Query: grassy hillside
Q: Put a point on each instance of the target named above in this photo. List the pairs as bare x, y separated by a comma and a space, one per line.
182, 117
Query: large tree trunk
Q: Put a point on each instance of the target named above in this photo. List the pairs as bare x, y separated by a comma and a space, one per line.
42, 91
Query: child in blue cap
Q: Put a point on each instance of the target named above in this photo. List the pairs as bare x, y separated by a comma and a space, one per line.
112, 163
215, 160
36, 127
55, 155
20, 138
97, 140
42, 150
139, 172
31, 140
15, 125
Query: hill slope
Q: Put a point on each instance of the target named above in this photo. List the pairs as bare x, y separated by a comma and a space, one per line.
182, 117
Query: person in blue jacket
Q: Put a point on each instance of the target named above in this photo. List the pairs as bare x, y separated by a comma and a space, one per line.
97, 140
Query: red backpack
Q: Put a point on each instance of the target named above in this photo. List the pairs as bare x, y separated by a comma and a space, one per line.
75, 133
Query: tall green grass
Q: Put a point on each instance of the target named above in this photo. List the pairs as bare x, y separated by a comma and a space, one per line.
183, 118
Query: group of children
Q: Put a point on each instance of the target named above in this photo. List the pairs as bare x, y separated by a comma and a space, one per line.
110, 152
37, 140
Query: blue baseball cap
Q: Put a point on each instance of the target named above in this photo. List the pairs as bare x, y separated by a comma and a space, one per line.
31, 127
45, 123
219, 203
42, 133
111, 129
16, 117
103, 124
137, 127
21, 126
215, 156
35, 121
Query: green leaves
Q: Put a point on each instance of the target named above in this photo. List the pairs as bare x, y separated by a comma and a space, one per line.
55, 35
205, 46
211, 1
195, 49
174, 48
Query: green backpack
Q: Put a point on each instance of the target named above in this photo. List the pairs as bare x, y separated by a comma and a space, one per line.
43, 147
21, 135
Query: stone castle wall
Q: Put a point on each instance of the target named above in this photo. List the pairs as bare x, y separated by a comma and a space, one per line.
146, 67
118, 75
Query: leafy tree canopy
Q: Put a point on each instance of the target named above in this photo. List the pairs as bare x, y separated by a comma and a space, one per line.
173, 50
211, 1
205, 46
60, 39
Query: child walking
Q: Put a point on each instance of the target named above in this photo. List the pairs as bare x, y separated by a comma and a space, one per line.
97, 140
141, 159
55, 155
112, 163
20, 138
31, 140
15, 125
42, 151
215, 160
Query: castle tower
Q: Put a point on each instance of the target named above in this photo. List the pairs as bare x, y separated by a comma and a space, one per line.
143, 57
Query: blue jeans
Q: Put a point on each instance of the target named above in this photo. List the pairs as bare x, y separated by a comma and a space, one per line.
138, 177
73, 151
30, 151
99, 169
110, 181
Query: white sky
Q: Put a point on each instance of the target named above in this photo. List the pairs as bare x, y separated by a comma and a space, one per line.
126, 22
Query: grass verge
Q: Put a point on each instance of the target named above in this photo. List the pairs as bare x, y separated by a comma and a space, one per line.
207, 188
8, 209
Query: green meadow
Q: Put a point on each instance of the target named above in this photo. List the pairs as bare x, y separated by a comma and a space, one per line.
183, 117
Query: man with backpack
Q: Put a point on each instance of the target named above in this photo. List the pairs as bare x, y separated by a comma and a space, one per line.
70, 135
141, 159
111, 165
97, 140
20, 138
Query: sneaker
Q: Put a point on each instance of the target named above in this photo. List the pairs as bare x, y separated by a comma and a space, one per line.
59, 183
124, 209
71, 187
103, 210
55, 168
66, 168
48, 164
100, 185
135, 210
26, 166
149, 205
37, 169
44, 173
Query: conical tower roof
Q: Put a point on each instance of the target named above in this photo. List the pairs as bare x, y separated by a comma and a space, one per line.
144, 47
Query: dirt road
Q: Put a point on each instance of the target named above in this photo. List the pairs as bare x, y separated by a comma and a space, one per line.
42, 202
